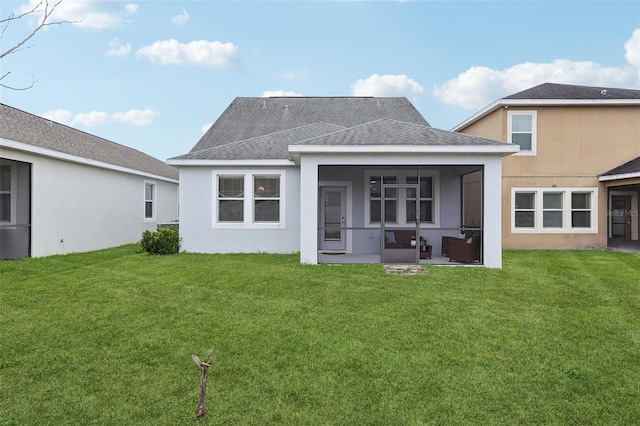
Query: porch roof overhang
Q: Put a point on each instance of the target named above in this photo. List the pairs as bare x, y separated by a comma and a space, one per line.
627, 173
298, 150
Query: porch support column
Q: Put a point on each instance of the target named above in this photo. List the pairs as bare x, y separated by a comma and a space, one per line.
308, 210
492, 213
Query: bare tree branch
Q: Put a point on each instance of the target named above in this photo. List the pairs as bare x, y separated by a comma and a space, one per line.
33, 82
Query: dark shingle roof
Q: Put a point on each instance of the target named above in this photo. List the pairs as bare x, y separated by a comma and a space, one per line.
248, 118
268, 147
20, 126
632, 166
391, 132
568, 91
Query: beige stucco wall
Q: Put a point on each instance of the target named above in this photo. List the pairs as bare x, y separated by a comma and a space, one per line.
575, 144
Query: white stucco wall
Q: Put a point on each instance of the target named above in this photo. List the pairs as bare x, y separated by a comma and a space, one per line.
77, 207
196, 215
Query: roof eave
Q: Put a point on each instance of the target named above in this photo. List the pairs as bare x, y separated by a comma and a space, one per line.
45, 152
505, 103
503, 149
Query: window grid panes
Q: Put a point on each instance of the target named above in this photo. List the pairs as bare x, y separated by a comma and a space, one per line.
522, 130
375, 199
554, 210
425, 199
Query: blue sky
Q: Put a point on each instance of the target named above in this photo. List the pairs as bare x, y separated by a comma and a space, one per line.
153, 75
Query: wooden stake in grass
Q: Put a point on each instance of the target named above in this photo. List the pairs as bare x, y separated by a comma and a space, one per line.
204, 366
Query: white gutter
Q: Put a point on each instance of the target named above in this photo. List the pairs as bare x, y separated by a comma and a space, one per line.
403, 149
252, 163
45, 152
620, 176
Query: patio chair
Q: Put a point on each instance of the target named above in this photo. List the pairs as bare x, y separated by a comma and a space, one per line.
465, 251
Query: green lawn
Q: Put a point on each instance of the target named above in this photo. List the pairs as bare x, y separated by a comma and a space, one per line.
107, 338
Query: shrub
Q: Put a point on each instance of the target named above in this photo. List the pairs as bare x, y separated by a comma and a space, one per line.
161, 241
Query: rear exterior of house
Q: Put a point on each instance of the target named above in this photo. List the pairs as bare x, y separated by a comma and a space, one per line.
63, 190
576, 181
336, 179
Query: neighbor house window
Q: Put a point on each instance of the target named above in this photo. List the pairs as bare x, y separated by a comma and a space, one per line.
522, 130
401, 204
7, 191
248, 200
149, 200
547, 210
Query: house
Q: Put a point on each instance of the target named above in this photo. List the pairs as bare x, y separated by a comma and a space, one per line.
63, 190
312, 174
576, 181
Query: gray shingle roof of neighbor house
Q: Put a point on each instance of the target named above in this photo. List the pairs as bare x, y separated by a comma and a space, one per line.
569, 91
629, 167
331, 121
19, 126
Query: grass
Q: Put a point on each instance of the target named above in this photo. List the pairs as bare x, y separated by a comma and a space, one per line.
107, 338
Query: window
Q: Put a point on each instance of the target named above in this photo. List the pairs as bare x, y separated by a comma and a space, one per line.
266, 198
525, 209
581, 210
546, 210
424, 197
248, 200
149, 200
231, 198
522, 130
375, 199
552, 209
401, 204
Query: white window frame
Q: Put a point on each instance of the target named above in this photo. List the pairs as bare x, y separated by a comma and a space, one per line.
154, 200
401, 200
13, 208
534, 130
248, 221
539, 210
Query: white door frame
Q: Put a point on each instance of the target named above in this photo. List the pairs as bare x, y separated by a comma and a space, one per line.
348, 210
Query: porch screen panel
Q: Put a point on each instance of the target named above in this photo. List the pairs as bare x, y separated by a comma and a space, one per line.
333, 217
230, 198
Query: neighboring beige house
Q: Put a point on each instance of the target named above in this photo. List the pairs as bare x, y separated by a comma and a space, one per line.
576, 181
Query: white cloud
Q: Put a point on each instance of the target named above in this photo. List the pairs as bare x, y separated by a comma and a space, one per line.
89, 14
479, 86
137, 117
276, 93
118, 49
387, 85
206, 127
181, 19
204, 53
294, 75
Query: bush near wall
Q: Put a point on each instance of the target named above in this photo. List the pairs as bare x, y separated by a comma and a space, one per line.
161, 241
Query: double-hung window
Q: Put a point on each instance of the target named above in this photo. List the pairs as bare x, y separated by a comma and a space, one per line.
401, 204
522, 130
549, 210
149, 200
248, 200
